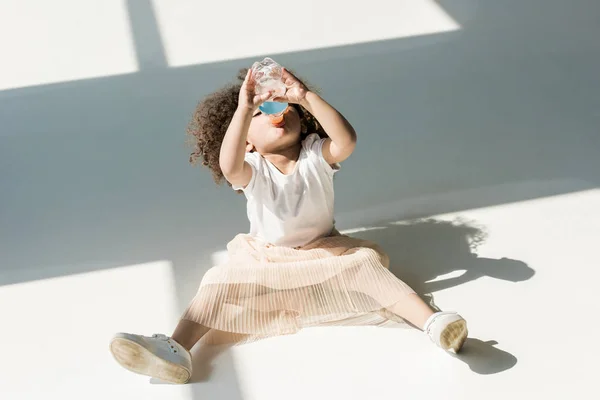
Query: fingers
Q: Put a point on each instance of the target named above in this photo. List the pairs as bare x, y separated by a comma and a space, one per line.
259, 99
288, 78
249, 80
285, 74
248, 75
265, 96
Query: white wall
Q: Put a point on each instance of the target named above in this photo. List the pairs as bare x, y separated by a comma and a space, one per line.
499, 103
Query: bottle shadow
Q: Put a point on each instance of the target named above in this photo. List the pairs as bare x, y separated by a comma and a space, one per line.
432, 255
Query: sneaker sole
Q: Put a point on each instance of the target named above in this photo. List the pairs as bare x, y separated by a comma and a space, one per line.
136, 358
454, 335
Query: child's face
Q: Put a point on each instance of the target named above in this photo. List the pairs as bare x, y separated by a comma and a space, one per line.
265, 138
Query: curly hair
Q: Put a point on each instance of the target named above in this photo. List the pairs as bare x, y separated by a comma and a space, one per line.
212, 117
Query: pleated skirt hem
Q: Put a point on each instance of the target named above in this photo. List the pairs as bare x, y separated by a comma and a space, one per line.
264, 291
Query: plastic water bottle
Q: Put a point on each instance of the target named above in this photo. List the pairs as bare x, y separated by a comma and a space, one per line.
268, 74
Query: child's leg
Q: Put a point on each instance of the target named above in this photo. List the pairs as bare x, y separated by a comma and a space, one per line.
412, 309
188, 333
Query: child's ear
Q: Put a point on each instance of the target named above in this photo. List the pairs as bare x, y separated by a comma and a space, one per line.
249, 147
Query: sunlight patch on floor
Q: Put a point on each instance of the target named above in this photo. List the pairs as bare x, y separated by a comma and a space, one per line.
525, 331
57, 332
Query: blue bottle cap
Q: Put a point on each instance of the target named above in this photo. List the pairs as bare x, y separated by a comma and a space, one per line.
272, 107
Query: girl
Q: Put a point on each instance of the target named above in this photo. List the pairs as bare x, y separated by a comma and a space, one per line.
293, 269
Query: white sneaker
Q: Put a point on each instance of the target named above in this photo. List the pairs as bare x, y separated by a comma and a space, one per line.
448, 330
158, 356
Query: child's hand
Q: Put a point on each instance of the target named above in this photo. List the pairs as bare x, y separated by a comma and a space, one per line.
248, 98
296, 90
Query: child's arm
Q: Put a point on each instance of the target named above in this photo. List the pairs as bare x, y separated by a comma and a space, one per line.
233, 149
342, 136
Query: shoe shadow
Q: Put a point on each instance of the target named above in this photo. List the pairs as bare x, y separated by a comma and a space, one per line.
156, 381
485, 359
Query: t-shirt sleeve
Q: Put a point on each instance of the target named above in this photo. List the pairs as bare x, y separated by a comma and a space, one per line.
253, 159
313, 145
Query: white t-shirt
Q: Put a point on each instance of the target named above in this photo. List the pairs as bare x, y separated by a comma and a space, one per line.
296, 209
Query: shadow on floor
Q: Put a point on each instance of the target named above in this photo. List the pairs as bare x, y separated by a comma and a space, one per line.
485, 359
204, 358
422, 250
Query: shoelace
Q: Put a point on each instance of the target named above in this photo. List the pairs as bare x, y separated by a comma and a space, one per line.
173, 348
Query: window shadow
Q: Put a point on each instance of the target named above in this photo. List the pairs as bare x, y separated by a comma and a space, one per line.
149, 48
